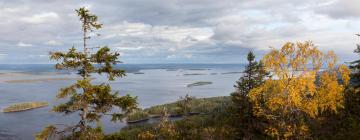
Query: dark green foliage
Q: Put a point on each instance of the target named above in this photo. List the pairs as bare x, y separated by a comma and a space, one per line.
355, 66
243, 120
254, 75
89, 100
214, 124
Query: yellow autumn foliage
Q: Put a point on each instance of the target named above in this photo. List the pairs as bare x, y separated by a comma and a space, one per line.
305, 82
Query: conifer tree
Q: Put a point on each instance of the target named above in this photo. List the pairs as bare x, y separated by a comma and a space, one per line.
90, 101
355, 66
347, 124
253, 76
352, 96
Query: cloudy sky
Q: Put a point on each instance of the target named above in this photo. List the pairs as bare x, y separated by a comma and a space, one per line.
178, 31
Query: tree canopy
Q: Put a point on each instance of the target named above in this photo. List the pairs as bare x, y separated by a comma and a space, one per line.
300, 89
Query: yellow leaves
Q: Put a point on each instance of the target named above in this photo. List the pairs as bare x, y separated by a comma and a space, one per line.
345, 73
275, 103
272, 131
330, 92
331, 59
300, 88
147, 135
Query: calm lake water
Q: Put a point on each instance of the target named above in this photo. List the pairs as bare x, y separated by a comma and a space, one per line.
153, 84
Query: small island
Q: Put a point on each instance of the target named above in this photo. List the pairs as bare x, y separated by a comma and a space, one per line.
24, 106
138, 73
200, 83
191, 74
235, 72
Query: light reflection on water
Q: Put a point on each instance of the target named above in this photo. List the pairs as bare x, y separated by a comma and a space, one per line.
155, 86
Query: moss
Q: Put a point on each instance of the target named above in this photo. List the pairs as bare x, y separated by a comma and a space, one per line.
24, 106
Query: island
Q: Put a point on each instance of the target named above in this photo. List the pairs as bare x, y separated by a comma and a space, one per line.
200, 83
24, 106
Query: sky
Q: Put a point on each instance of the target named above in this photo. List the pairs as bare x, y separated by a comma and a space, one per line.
178, 31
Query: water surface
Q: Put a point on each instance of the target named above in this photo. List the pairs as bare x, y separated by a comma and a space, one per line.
152, 84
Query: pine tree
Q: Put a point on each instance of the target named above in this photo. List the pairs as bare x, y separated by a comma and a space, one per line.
355, 66
244, 121
90, 101
352, 97
254, 75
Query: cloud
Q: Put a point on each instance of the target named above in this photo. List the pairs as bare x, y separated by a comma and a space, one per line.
22, 44
3, 55
170, 33
41, 18
129, 48
341, 9
179, 31
53, 43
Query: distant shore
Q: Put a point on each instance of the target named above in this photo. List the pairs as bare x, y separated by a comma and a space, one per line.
37, 80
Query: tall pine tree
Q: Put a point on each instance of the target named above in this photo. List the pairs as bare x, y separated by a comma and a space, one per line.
254, 75
90, 101
245, 123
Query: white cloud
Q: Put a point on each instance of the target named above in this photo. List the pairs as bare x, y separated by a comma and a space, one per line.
2, 55
341, 8
53, 43
43, 55
171, 33
200, 30
41, 18
22, 44
129, 48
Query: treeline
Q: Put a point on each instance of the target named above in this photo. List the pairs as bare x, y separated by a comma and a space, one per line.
295, 92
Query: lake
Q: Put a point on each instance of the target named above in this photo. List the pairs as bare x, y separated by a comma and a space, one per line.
153, 84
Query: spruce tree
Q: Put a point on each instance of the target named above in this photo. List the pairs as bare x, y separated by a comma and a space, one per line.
254, 75
90, 101
355, 66
245, 123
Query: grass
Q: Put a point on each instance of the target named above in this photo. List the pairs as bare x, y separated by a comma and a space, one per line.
199, 83
24, 106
